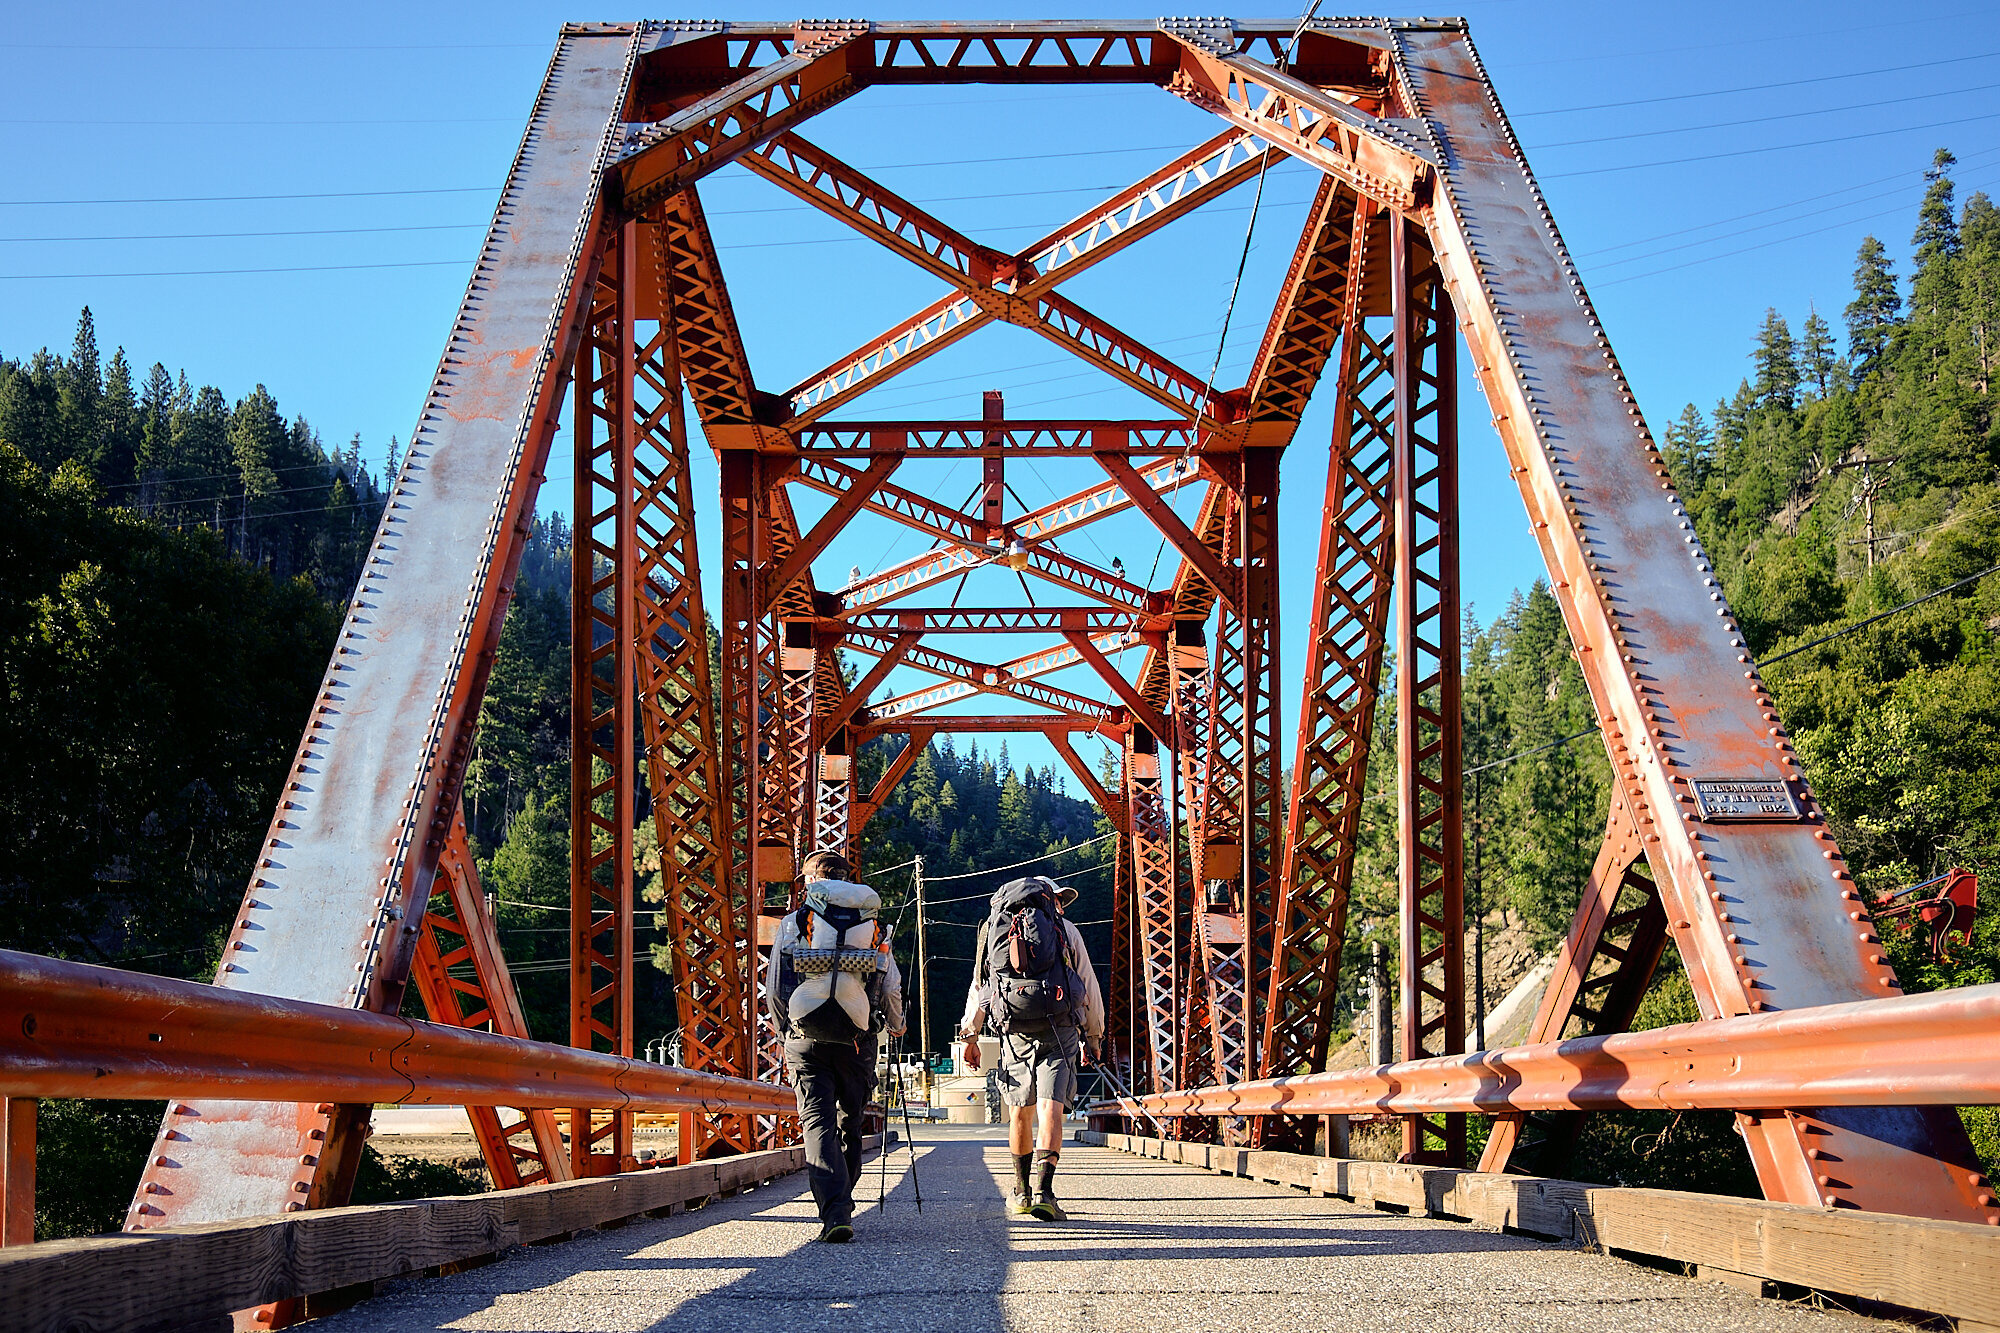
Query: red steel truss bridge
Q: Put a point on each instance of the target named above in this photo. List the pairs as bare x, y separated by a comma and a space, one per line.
1428, 258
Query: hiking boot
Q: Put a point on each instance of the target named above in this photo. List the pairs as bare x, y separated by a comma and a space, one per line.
1049, 1210
1019, 1204
837, 1234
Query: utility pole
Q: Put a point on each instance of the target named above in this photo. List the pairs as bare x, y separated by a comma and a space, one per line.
1870, 485
1381, 1019
1479, 908
923, 980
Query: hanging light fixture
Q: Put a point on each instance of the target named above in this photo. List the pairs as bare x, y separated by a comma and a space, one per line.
1015, 555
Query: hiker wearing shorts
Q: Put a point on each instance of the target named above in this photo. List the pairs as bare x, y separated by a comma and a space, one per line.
834, 987
1033, 984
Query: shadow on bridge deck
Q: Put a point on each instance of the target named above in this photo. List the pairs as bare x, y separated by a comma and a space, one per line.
1149, 1247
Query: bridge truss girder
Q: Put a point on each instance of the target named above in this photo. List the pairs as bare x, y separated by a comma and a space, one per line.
1429, 226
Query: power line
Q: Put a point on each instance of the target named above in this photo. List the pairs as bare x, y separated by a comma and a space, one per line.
208, 47
1752, 87
487, 189
1771, 148
1746, 249
240, 235
1878, 616
1765, 120
1903, 179
1790, 36
223, 272
259, 124
247, 198
211, 476
1033, 860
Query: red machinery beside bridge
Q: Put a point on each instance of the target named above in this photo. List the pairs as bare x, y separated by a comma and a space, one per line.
599, 279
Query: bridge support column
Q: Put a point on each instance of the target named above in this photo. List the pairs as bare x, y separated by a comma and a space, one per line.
17, 1170
1607, 960
1430, 804
458, 932
604, 693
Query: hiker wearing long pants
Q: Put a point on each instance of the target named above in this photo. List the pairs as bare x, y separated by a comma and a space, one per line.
1033, 984
834, 987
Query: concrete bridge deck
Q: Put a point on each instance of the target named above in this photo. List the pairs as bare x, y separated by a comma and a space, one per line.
1150, 1247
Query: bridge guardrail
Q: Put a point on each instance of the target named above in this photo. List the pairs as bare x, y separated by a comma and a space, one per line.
76, 1030
1935, 1049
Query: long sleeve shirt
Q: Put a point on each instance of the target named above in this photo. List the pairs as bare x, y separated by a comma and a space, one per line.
973, 1020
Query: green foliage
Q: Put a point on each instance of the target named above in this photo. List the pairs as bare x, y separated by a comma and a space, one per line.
152, 690
183, 456
384, 1179
88, 1156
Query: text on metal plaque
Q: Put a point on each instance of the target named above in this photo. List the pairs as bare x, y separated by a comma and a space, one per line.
1747, 798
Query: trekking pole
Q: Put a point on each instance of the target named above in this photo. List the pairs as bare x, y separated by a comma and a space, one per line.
1110, 1076
909, 1137
883, 1153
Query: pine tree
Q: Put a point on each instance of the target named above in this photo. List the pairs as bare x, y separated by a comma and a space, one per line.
257, 445
28, 410
1877, 305
198, 453
79, 396
119, 452
1688, 453
1979, 234
1732, 422
1776, 359
156, 412
1937, 227
1817, 358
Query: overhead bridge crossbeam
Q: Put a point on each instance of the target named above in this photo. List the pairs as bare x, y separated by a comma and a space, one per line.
1428, 257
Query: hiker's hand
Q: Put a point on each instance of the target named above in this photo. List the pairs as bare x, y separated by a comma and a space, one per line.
970, 1053
1093, 1054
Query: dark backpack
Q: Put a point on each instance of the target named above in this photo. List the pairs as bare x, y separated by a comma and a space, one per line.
1027, 959
828, 1020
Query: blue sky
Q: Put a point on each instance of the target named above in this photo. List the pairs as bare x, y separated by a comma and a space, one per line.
1704, 162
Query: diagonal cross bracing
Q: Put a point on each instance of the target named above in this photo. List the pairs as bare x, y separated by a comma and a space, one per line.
1012, 288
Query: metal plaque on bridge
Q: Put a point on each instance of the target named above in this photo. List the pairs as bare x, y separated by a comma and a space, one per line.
1750, 798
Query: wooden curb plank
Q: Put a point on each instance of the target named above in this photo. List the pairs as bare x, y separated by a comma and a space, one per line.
165, 1279
1947, 1268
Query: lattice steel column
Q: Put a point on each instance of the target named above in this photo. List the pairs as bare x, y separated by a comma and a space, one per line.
1256, 539
1153, 879
1337, 703
677, 707
603, 780
831, 816
759, 851
799, 670
461, 976
1217, 1025
1430, 808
